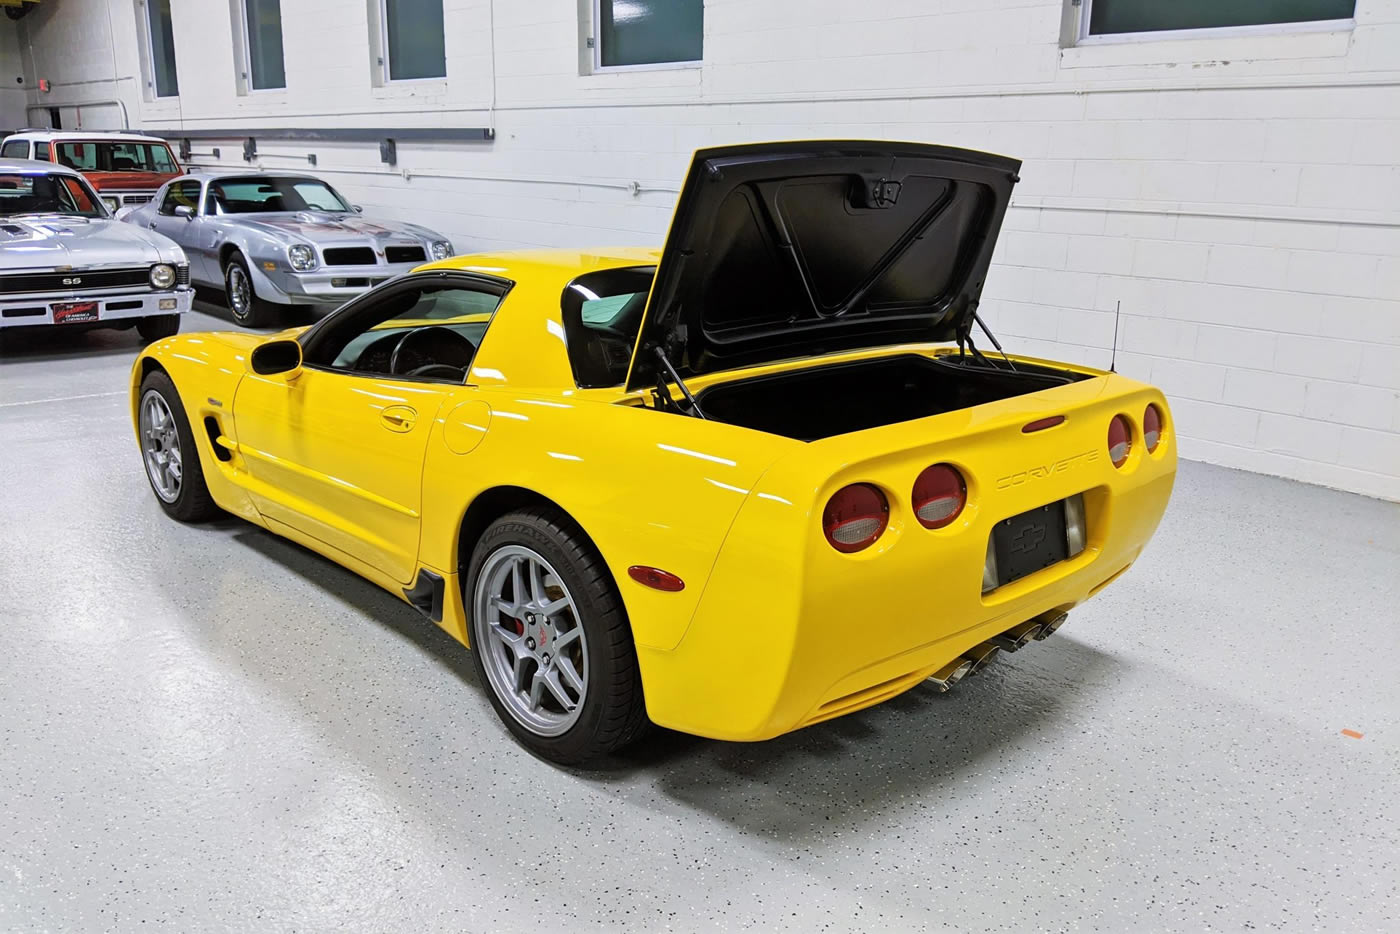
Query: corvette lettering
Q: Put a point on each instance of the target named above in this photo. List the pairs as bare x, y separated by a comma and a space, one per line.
1040, 471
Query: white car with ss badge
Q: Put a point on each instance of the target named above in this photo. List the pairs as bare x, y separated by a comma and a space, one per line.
65, 261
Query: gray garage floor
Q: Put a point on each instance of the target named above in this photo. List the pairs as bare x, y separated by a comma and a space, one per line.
212, 729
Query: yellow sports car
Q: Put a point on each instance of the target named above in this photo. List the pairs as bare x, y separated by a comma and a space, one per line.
758, 479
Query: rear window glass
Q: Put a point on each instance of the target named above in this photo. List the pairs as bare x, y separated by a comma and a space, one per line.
602, 313
15, 149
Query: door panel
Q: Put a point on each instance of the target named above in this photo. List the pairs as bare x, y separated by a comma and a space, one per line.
339, 457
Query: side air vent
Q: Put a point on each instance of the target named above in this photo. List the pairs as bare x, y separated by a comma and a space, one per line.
211, 425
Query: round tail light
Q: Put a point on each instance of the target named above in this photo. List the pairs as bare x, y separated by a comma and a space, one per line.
854, 517
1120, 440
939, 496
1151, 427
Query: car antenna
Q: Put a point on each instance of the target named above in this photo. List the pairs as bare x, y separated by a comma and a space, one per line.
676, 378
1113, 360
992, 337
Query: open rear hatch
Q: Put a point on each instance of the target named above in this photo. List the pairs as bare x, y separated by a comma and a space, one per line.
783, 250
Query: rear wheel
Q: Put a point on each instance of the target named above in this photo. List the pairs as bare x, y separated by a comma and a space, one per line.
550, 639
154, 327
248, 310
169, 454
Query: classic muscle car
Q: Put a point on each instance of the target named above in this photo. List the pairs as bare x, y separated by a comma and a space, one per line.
277, 240
64, 260
757, 480
125, 168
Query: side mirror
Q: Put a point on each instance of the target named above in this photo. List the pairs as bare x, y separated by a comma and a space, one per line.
358, 209
185, 211
276, 357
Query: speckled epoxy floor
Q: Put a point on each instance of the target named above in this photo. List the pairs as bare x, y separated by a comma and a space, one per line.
209, 729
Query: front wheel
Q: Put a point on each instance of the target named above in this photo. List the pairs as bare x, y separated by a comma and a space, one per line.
551, 641
169, 454
154, 327
248, 310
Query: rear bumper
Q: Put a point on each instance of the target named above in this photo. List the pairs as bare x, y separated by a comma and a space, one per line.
785, 637
38, 310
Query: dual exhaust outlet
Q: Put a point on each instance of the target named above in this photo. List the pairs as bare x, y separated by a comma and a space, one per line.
982, 655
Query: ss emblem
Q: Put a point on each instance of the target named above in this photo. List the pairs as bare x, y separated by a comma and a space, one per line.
76, 280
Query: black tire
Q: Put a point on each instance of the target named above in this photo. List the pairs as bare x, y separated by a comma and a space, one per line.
154, 327
192, 503
613, 712
256, 313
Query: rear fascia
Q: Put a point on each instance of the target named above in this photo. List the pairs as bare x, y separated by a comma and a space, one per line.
798, 628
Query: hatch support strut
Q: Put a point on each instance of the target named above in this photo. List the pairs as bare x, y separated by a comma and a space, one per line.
668, 369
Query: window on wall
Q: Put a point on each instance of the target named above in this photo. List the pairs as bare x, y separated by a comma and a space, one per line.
640, 33
412, 40
1123, 17
160, 39
262, 31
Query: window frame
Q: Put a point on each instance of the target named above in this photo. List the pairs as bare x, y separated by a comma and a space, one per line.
168, 191
1084, 37
246, 49
386, 77
315, 338
148, 46
597, 36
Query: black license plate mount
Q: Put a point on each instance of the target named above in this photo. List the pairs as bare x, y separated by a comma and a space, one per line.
1030, 542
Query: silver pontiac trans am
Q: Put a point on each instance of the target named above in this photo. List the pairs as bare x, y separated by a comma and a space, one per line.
274, 240
65, 261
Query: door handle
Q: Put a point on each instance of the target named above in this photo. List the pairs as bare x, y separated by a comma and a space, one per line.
398, 418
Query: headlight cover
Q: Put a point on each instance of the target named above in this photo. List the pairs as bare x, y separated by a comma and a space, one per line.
441, 249
163, 275
301, 257
113, 204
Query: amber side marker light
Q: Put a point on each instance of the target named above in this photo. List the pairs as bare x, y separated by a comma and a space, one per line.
1040, 424
655, 578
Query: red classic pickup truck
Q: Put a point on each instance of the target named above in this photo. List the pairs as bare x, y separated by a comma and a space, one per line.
126, 169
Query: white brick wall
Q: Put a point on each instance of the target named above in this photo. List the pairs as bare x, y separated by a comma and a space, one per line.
1239, 196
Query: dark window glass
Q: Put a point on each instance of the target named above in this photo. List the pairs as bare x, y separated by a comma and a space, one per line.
648, 32
41, 152
413, 29
265, 63
117, 157
162, 48
602, 313
47, 194
1107, 17
270, 194
15, 149
180, 193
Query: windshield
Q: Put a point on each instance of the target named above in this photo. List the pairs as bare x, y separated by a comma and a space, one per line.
117, 157
267, 194
48, 193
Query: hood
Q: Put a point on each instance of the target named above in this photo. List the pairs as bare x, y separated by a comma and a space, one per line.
328, 228
779, 250
52, 240
129, 181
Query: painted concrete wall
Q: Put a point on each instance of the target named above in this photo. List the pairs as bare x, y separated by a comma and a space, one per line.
1239, 196
12, 96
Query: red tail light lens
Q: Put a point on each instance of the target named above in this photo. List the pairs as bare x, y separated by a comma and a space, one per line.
1120, 440
939, 496
1151, 427
855, 517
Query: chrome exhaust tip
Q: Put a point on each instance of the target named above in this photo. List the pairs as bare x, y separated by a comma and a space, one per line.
950, 674
981, 656
1051, 622
1017, 636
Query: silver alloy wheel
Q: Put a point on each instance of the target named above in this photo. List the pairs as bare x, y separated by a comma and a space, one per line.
160, 445
527, 628
240, 291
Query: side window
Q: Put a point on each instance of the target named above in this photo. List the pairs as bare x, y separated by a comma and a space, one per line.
180, 193
78, 193
15, 149
602, 313
41, 152
429, 332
